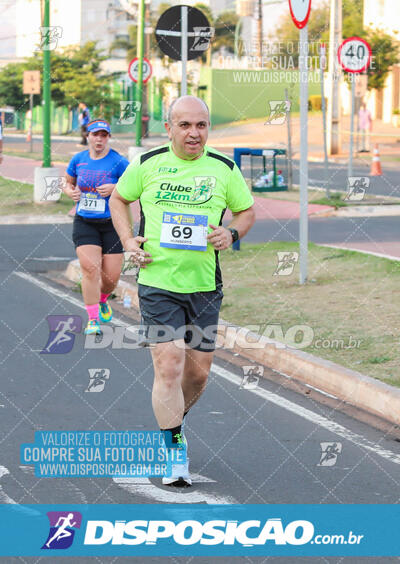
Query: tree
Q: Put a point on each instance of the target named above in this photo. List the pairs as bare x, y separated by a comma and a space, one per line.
286, 37
206, 11
11, 78
352, 18
318, 27
385, 49
385, 53
76, 76
225, 25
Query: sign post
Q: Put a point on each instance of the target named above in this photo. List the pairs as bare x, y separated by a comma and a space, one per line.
322, 65
360, 91
354, 55
31, 86
46, 90
300, 12
183, 33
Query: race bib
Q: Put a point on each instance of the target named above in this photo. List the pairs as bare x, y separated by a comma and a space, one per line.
92, 203
184, 231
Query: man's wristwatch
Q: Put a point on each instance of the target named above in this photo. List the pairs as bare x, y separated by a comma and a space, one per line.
235, 234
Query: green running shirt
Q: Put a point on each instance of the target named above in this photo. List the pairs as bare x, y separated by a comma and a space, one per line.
178, 201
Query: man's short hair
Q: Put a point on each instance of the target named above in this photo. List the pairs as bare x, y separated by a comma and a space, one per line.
171, 107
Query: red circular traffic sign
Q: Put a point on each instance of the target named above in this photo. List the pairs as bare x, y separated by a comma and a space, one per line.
300, 12
133, 69
354, 54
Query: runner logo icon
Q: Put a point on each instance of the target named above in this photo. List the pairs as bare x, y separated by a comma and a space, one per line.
97, 379
203, 188
62, 529
251, 377
330, 452
62, 333
286, 263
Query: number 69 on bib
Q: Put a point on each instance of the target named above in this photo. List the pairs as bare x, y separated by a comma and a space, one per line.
184, 231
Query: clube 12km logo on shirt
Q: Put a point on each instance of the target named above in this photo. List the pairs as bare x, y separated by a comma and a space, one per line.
199, 194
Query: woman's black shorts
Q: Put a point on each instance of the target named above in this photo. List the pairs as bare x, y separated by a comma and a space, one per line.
96, 232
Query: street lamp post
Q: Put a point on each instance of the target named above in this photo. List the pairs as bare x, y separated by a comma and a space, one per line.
46, 178
139, 85
46, 88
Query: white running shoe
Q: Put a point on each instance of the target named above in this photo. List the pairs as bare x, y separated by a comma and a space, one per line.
180, 476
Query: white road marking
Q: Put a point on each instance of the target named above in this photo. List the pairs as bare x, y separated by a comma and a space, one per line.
62, 295
320, 420
4, 498
52, 259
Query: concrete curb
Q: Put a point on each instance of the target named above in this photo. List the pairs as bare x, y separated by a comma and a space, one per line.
348, 385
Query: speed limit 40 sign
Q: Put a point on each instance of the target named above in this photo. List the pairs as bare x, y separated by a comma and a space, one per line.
354, 54
133, 70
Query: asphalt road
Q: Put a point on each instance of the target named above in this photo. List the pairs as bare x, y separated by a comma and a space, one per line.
246, 446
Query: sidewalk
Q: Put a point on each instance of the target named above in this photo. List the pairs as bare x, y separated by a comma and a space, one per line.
260, 135
21, 169
257, 134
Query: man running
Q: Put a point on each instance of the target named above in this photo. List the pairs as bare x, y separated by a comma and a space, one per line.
184, 188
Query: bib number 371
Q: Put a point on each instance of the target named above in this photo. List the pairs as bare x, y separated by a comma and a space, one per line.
184, 231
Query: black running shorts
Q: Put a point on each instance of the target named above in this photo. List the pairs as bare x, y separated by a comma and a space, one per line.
96, 232
168, 316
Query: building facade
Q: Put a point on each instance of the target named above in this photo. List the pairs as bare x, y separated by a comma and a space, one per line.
78, 21
385, 15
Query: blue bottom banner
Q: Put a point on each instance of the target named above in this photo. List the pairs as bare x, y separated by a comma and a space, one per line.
199, 530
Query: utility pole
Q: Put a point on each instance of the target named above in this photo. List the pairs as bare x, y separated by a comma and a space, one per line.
139, 84
46, 176
46, 88
303, 167
260, 31
335, 39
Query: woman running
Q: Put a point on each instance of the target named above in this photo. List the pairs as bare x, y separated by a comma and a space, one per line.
91, 177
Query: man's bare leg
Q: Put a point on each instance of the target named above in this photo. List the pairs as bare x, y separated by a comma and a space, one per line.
167, 397
195, 375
